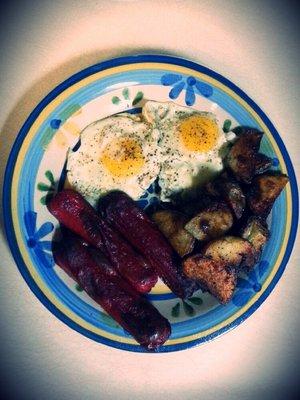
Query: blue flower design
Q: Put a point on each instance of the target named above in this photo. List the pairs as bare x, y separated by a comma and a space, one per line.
178, 83
42, 248
150, 197
250, 285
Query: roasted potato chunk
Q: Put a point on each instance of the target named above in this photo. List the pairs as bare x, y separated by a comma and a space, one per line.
243, 158
210, 223
232, 250
230, 191
171, 224
264, 191
214, 276
234, 197
257, 233
262, 163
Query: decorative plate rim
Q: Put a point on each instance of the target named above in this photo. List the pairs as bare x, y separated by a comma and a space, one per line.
136, 59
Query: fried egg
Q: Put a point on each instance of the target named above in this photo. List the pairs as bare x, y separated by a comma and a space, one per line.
119, 152
192, 146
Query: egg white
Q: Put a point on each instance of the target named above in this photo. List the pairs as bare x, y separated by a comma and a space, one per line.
86, 172
181, 168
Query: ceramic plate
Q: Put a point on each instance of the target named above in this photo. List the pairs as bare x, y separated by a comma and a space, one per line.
36, 168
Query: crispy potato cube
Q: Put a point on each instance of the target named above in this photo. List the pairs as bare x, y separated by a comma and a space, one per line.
262, 163
171, 224
210, 223
264, 191
257, 233
230, 191
234, 197
232, 250
243, 158
219, 279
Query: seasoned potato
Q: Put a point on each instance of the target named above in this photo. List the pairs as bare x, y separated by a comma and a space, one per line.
242, 129
219, 279
243, 158
213, 188
264, 191
257, 233
232, 250
210, 223
262, 163
230, 191
195, 203
171, 224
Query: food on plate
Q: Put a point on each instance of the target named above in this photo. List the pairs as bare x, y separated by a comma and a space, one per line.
264, 191
119, 152
232, 250
143, 234
180, 146
230, 191
243, 158
192, 145
210, 223
208, 227
214, 276
72, 210
117, 297
257, 233
171, 224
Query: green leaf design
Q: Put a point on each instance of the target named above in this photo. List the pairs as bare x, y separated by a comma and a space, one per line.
43, 200
50, 177
175, 310
138, 98
189, 310
43, 187
196, 300
125, 93
227, 125
78, 288
115, 100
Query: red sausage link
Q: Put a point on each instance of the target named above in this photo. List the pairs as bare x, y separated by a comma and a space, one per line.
132, 311
72, 210
125, 216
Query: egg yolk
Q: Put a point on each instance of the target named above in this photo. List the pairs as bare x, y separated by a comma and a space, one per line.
123, 157
198, 133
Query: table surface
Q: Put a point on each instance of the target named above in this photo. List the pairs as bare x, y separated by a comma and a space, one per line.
254, 44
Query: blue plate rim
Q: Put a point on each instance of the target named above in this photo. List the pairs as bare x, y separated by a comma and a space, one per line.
6, 195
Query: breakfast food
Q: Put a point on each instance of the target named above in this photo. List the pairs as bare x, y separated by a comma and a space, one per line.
118, 298
230, 190
212, 222
209, 226
232, 250
264, 191
133, 223
78, 215
244, 160
70, 208
257, 233
250, 195
171, 223
191, 146
215, 276
180, 146
119, 152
